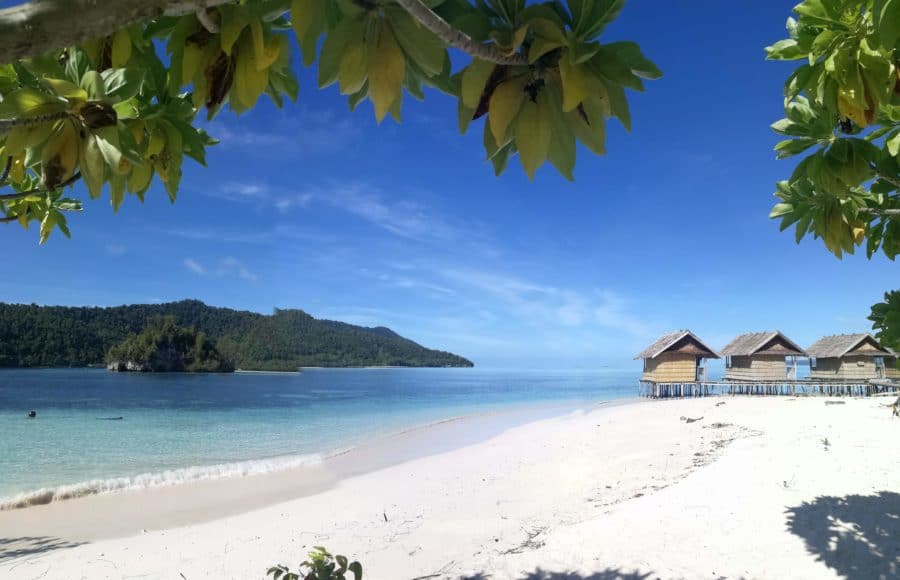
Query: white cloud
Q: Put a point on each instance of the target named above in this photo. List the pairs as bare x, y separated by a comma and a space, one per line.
404, 218
233, 266
543, 305
194, 266
312, 132
228, 266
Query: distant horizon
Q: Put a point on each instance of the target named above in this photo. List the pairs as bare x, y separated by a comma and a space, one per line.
613, 362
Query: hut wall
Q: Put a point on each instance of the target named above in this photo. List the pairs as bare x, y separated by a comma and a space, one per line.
671, 367
847, 368
757, 368
890, 369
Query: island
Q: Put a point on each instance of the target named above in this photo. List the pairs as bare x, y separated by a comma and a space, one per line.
164, 346
32, 335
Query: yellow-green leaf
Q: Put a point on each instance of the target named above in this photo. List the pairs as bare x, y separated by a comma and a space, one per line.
121, 48
504, 106
575, 84
387, 67
533, 134
474, 79
233, 21
354, 68
92, 165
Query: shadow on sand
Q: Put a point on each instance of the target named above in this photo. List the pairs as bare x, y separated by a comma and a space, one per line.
858, 536
606, 574
12, 548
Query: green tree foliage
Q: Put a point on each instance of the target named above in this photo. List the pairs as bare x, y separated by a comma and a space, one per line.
885, 319
115, 114
164, 346
842, 108
319, 565
54, 336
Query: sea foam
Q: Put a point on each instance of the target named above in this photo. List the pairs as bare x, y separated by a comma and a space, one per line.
159, 479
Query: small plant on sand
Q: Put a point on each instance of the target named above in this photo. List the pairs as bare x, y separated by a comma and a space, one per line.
320, 565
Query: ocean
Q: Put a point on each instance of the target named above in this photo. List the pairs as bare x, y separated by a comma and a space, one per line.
180, 427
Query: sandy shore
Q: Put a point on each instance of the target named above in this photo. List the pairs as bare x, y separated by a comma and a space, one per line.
755, 488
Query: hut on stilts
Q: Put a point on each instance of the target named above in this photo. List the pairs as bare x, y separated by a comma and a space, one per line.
675, 365
846, 360
764, 362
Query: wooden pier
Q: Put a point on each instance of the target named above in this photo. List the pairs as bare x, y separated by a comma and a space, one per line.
800, 387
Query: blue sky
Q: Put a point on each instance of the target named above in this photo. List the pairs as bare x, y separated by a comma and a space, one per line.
317, 208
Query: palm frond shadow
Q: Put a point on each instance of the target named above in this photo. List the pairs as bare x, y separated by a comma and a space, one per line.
605, 574
17, 547
854, 535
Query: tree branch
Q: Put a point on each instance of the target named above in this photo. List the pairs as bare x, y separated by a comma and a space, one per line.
38, 191
892, 180
36, 27
9, 218
7, 125
880, 212
456, 38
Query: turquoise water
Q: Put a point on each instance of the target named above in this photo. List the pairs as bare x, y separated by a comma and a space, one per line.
180, 427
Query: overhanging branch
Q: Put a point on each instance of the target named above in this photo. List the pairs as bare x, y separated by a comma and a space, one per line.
38, 190
34, 28
457, 38
880, 212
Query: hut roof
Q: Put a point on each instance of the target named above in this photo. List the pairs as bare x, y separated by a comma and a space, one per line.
676, 339
839, 345
753, 342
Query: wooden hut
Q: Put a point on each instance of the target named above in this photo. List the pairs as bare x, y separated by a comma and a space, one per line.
761, 357
847, 357
676, 357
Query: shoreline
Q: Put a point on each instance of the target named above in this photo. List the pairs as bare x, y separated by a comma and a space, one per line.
205, 498
809, 485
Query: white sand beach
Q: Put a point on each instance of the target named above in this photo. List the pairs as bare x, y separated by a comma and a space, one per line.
756, 487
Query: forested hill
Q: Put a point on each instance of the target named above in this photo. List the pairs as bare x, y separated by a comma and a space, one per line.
60, 336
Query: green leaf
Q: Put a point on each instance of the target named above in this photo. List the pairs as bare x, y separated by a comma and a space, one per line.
464, 116
93, 169
120, 84
893, 144
791, 147
787, 49
474, 78
108, 142
602, 13
93, 83
29, 102
345, 32
631, 54
532, 133
419, 43
887, 19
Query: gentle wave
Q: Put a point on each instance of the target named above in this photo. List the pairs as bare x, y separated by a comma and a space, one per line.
160, 479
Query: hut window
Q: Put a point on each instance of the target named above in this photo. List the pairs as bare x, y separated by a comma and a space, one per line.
728, 362
812, 362
879, 362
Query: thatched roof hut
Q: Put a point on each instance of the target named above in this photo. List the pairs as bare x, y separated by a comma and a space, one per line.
676, 357
761, 356
847, 357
